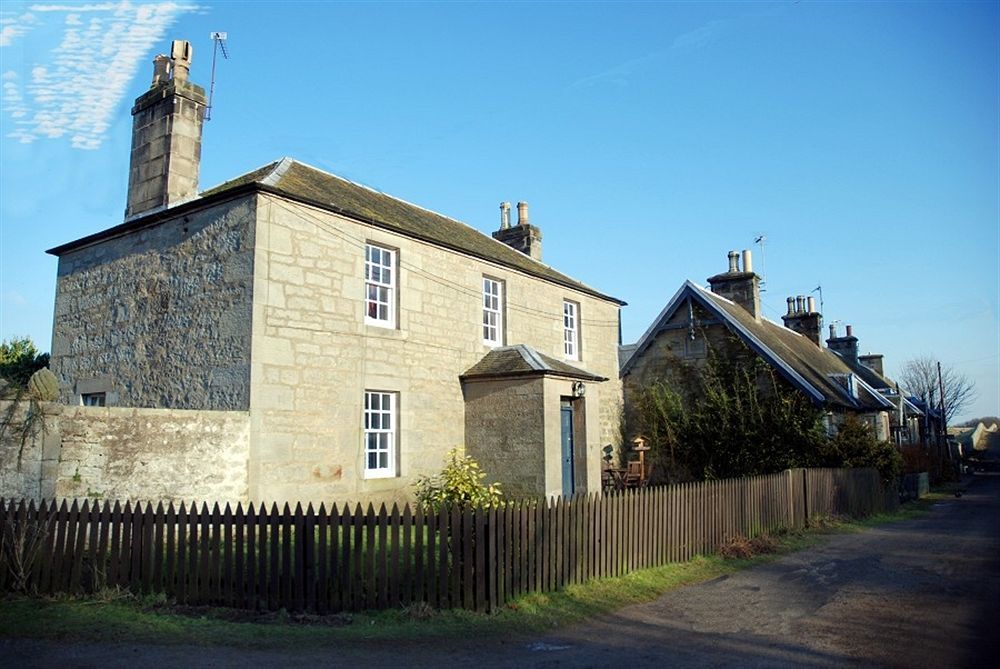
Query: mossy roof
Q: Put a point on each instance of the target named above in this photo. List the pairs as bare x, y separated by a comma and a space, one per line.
302, 183
308, 184
818, 371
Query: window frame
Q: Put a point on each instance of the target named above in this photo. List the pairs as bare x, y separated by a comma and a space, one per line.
391, 432
499, 325
571, 330
390, 287
100, 399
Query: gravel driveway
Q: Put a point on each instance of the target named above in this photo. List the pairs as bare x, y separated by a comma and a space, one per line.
918, 593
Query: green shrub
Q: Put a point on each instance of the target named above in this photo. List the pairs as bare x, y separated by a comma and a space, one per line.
19, 359
855, 445
460, 482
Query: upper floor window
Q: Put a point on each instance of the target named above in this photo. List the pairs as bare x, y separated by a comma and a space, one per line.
571, 330
380, 286
380, 434
492, 312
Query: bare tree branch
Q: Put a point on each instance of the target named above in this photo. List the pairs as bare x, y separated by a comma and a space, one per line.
920, 378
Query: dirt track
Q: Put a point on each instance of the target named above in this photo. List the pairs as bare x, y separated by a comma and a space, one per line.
921, 593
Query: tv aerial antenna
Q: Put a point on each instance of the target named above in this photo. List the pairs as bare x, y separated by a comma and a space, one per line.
220, 45
819, 289
759, 240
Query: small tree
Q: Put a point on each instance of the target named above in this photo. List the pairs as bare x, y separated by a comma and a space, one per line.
460, 482
19, 359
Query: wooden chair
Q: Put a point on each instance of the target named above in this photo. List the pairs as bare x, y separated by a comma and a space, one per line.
633, 474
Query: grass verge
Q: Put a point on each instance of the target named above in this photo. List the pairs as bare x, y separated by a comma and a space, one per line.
125, 619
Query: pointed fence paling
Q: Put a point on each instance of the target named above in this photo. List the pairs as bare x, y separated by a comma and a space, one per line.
353, 558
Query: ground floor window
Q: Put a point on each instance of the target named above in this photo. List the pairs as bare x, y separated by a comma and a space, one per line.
380, 434
94, 399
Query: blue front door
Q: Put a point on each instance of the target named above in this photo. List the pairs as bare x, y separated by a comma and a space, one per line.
568, 486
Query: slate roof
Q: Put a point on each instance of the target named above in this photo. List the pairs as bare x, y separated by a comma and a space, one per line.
302, 183
819, 372
884, 385
522, 360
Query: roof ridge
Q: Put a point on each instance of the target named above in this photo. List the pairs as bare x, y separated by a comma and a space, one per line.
532, 357
280, 167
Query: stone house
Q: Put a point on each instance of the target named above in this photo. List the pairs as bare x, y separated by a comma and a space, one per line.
355, 337
696, 320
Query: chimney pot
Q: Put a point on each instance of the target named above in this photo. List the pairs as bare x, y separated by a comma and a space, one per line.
522, 213
800, 305
833, 330
850, 331
791, 305
181, 53
811, 304
734, 262
747, 261
505, 215
161, 70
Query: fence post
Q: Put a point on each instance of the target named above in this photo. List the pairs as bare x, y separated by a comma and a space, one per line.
791, 506
805, 497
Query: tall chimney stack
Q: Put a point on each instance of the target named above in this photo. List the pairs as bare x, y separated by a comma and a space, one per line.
803, 318
524, 237
743, 288
846, 347
166, 136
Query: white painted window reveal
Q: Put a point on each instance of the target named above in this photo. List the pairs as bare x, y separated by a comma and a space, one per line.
380, 286
380, 434
492, 312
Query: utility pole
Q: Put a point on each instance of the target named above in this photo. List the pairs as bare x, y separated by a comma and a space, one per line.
944, 416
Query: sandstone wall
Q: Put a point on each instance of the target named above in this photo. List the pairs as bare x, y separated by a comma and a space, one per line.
29, 458
137, 454
314, 356
160, 317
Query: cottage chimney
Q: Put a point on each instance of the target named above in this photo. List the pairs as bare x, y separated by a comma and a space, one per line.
524, 237
803, 318
743, 288
166, 135
873, 361
846, 347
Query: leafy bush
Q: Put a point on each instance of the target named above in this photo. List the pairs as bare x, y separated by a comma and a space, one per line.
460, 482
732, 416
855, 445
19, 359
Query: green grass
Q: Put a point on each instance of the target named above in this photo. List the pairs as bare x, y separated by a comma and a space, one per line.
126, 619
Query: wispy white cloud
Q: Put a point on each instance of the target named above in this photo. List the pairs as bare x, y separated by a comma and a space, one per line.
75, 94
12, 27
700, 37
619, 75
14, 297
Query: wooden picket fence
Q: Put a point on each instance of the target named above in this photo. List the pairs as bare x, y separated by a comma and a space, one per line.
347, 558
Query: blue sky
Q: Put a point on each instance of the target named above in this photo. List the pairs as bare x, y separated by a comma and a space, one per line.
649, 139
